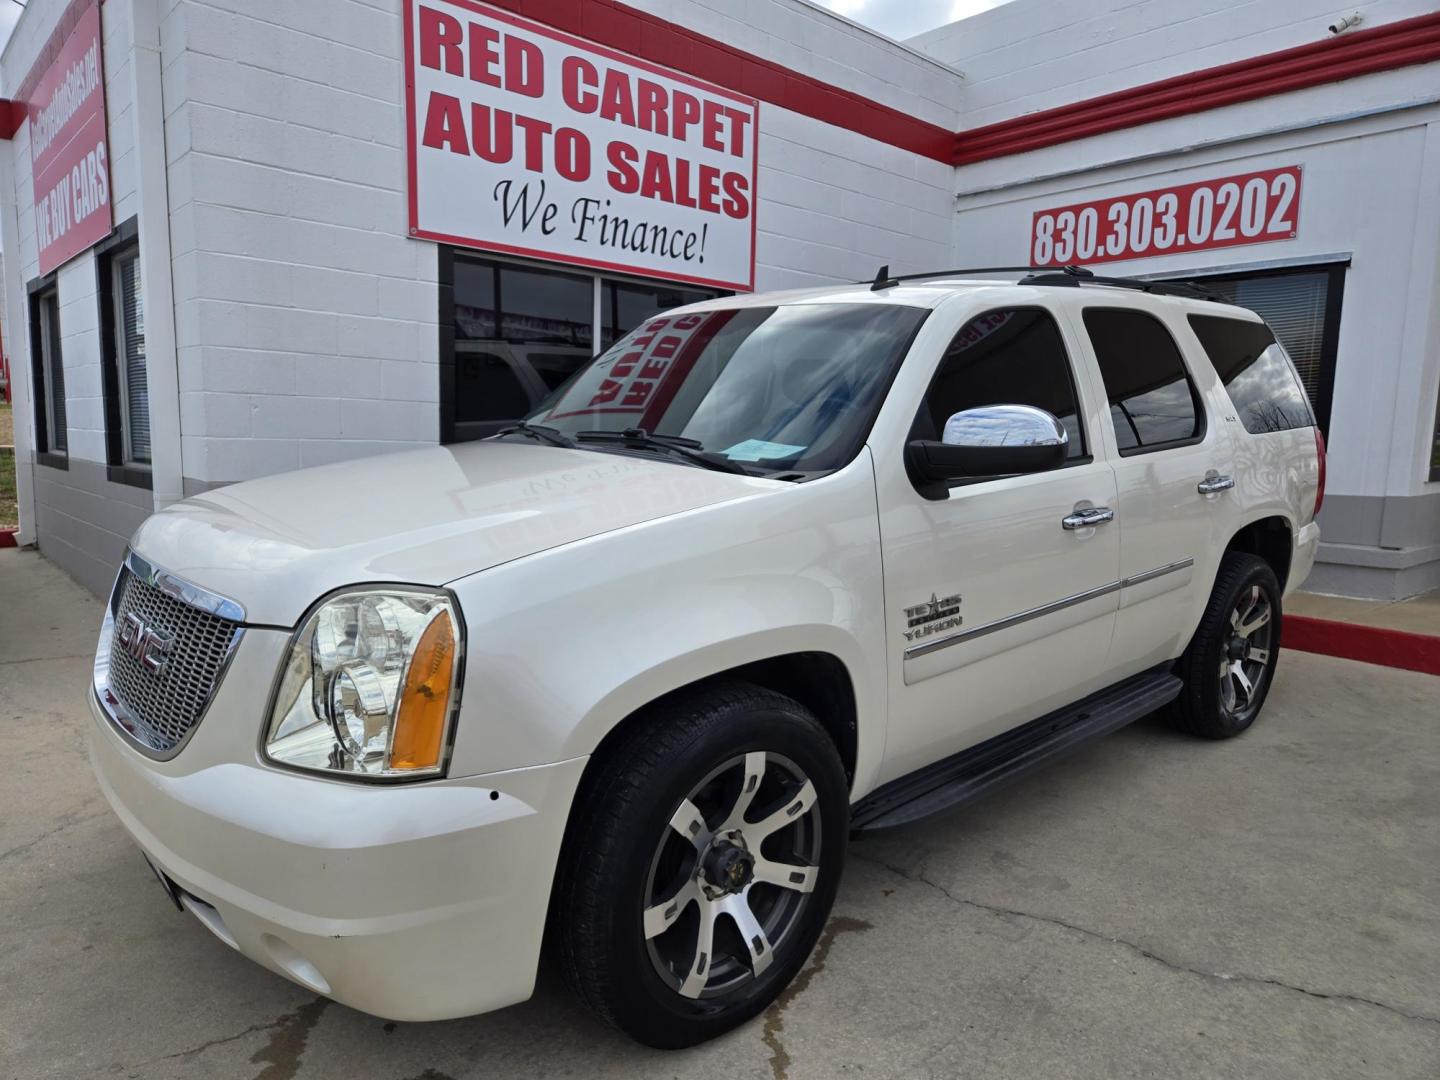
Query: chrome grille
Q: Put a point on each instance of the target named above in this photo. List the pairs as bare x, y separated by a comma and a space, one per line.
158, 710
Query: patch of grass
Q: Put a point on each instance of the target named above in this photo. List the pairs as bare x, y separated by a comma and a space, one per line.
9, 512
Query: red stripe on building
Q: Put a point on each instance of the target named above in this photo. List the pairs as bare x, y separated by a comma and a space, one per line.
1362, 52
651, 38
1371, 644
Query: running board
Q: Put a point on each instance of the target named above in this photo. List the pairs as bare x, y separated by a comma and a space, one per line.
980, 769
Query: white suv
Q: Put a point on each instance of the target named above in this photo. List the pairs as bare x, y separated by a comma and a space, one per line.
624, 679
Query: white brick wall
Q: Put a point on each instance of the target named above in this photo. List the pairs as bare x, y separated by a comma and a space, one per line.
295, 282
1028, 55
306, 319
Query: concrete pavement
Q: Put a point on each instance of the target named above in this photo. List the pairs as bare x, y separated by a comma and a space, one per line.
1156, 906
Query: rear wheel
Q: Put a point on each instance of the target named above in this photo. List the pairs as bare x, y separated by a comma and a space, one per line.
1231, 661
703, 856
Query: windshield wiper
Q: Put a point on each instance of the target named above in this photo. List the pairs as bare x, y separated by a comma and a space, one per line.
689, 449
544, 434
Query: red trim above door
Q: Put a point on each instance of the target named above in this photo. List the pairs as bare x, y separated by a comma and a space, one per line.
649, 37
1361, 52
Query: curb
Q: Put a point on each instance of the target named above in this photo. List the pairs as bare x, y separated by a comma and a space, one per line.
1369, 644
7, 537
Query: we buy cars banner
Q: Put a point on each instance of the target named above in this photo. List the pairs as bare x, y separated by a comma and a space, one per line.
69, 146
525, 140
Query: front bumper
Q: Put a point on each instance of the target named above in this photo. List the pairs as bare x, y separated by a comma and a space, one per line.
421, 901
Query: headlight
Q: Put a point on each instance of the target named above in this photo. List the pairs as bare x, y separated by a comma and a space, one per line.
369, 686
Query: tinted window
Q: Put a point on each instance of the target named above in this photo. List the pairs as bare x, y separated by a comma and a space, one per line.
1258, 378
624, 305
510, 323
487, 388
1013, 356
1151, 400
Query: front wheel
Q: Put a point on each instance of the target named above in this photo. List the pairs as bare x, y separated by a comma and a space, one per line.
702, 859
1230, 662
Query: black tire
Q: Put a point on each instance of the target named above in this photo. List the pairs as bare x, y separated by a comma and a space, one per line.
621, 823
1214, 704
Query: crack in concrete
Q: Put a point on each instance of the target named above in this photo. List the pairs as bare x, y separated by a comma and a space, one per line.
780, 1060
45, 659
281, 1055
67, 821
1263, 980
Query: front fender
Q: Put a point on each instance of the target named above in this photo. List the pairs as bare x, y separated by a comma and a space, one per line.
565, 644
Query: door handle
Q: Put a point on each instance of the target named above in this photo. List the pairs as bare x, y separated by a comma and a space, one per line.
1213, 484
1085, 519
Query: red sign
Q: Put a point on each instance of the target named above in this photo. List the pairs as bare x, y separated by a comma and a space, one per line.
643, 377
1253, 208
525, 140
69, 147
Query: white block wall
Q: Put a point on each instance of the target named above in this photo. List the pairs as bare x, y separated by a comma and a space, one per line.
79, 517
306, 317
1028, 55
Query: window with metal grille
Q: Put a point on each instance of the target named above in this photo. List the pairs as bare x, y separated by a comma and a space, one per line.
48, 370
130, 356
122, 340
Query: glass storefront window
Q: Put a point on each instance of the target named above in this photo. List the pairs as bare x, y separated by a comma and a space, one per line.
624, 305
520, 331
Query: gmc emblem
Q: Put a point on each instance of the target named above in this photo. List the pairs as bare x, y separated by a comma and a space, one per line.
150, 646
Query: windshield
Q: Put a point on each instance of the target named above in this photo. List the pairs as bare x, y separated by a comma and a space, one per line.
793, 388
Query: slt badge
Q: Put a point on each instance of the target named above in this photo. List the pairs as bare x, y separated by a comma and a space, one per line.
933, 616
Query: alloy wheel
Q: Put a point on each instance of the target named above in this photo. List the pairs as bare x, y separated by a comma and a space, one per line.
732, 874
1245, 655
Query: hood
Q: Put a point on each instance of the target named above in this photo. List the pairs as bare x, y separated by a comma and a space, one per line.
425, 517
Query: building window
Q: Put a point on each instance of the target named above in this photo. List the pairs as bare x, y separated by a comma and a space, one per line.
1153, 404
1302, 306
122, 341
48, 374
1435, 447
512, 332
624, 305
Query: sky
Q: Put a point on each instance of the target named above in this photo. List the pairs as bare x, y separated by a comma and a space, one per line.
901, 19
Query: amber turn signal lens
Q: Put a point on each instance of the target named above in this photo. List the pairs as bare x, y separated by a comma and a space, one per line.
425, 700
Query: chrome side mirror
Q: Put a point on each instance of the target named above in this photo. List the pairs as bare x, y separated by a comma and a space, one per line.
993, 440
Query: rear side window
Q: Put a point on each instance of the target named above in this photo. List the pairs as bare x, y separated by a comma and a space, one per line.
1152, 401
1257, 376
1011, 356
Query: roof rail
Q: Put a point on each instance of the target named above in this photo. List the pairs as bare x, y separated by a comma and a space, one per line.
1068, 276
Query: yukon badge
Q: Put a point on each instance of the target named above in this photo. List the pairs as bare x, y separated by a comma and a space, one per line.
932, 617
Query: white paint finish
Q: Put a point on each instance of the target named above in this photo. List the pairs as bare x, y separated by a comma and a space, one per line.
438, 933
279, 542
1028, 55
791, 568
153, 202
1163, 519
1001, 547
593, 584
